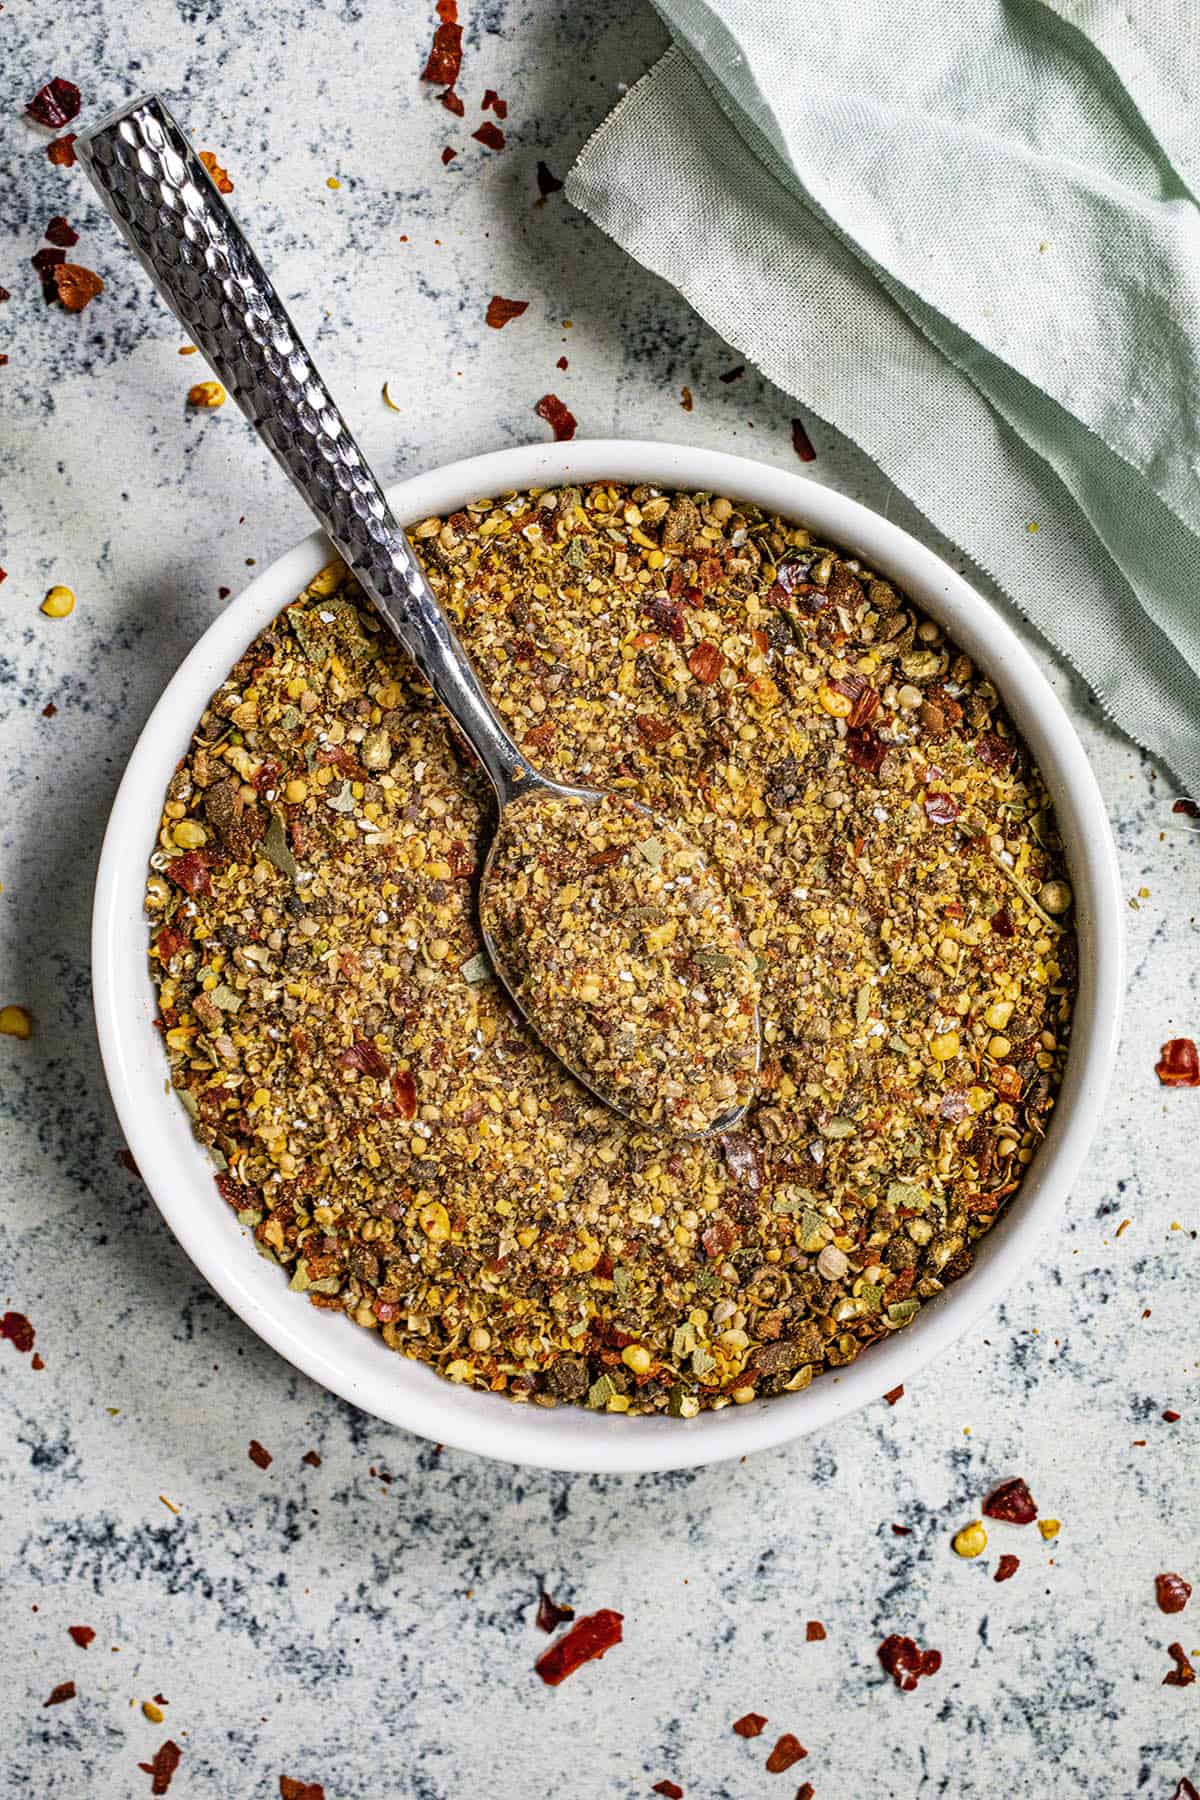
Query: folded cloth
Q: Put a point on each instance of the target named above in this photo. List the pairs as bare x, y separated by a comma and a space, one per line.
968, 237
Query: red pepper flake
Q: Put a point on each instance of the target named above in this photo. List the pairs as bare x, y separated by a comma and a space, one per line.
20, 1333
448, 155
905, 1663
58, 231
45, 261
1180, 1064
491, 98
55, 104
291, 1789
452, 103
1009, 1565
62, 151
366, 1057
1183, 1674
653, 730
404, 1089
561, 363
1189, 808
219, 175
1011, 1501
865, 748
166, 1761
64, 1691
547, 183
490, 136
1185, 1790
81, 1635
670, 1789
500, 311
940, 809
802, 443
787, 1752
590, 1637
1003, 923
223, 593
733, 374
815, 1632
750, 1725
550, 1615
192, 872
805, 1791
894, 1394
1172, 1418
902, 1530
4, 572
706, 662
445, 56
995, 752
312, 1459
686, 401
561, 422
1172, 1593
262, 1458
37, 1362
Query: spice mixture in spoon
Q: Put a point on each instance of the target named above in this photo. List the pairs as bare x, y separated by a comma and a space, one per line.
622, 950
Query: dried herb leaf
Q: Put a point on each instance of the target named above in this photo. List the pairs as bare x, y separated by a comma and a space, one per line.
277, 850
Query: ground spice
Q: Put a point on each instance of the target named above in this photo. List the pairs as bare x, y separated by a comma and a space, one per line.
588, 1639
314, 871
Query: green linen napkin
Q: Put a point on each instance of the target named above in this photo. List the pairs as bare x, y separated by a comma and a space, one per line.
968, 237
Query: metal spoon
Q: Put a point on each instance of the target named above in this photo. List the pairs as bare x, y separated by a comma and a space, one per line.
172, 216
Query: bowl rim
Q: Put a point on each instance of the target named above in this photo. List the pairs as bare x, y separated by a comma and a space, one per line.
353, 1363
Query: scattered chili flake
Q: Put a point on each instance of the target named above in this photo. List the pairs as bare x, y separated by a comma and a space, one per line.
490, 136
815, 1632
1185, 1790
448, 155
706, 662
404, 1089
1009, 1565
550, 1615
590, 1637
561, 363
166, 1761
192, 872
445, 56
1172, 1593
62, 151
750, 1725
686, 402
561, 422
787, 1752
802, 443
1189, 808
671, 1790
37, 1362
49, 710
81, 1635
291, 1789
1183, 1674
59, 232
865, 748
1179, 1065
902, 1530
491, 98
905, 1663
55, 104
219, 175
500, 311
20, 1333
366, 1058
653, 730
77, 286
312, 1459
64, 1691
733, 374
547, 183
894, 1394
940, 809
1172, 1418
258, 1455
223, 593
806, 1791
1011, 1501
45, 261
452, 102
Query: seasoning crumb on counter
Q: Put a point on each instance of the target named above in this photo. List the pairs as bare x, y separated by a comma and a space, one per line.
391, 1132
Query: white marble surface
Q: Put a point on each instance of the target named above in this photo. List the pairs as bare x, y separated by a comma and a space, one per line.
377, 1637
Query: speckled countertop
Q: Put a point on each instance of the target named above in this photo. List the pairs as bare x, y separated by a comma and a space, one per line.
368, 1624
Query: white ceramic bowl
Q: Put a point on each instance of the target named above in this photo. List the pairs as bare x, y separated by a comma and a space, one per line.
355, 1363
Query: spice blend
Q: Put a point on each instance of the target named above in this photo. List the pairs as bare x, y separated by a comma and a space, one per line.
393, 1134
